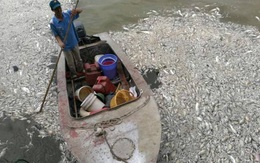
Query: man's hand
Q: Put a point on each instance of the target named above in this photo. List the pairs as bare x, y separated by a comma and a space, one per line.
75, 11
61, 44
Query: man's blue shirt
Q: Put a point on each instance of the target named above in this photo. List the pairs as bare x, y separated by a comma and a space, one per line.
59, 28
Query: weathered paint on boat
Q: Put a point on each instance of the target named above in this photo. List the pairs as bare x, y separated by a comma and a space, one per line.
140, 121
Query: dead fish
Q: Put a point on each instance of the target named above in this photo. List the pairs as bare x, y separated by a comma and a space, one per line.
202, 152
215, 9
217, 59
197, 108
152, 12
126, 29
250, 51
197, 8
25, 89
37, 44
172, 72
199, 119
232, 159
232, 129
146, 32
3, 152
179, 12
166, 72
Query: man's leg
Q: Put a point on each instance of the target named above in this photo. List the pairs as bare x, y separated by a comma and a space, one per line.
70, 61
78, 60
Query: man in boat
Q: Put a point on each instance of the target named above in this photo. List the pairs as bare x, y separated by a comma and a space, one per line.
59, 25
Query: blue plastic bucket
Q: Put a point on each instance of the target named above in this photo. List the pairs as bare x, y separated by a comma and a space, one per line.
108, 65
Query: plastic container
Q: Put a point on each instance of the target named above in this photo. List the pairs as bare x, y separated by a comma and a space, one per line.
100, 96
88, 101
83, 113
83, 92
92, 103
104, 85
91, 73
122, 96
108, 65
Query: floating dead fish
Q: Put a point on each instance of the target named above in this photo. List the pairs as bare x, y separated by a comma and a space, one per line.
146, 32
179, 12
215, 9
3, 152
197, 8
125, 28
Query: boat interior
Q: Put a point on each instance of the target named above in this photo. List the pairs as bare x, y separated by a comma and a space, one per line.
106, 83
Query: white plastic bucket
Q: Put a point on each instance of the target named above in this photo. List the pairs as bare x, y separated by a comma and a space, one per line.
96, 105
88, 101
83, 113
83, 92
92, 103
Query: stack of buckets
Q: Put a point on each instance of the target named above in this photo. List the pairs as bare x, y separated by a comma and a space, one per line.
92, 103
89, 101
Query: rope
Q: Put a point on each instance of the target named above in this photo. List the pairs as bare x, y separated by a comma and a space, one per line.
99, 130
112, 152
108, 123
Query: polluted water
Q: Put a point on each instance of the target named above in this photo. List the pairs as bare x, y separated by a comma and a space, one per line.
20, 142
150, 76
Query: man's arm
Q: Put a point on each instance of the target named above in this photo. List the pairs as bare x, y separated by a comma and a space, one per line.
57, 37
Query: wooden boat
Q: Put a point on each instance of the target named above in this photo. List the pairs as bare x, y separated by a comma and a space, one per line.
130, 132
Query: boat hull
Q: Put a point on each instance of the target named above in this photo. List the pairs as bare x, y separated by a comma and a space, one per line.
137, 122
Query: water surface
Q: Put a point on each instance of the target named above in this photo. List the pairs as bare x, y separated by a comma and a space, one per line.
102, 16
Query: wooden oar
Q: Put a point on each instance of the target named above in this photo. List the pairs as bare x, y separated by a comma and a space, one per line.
56, 65
74, 100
